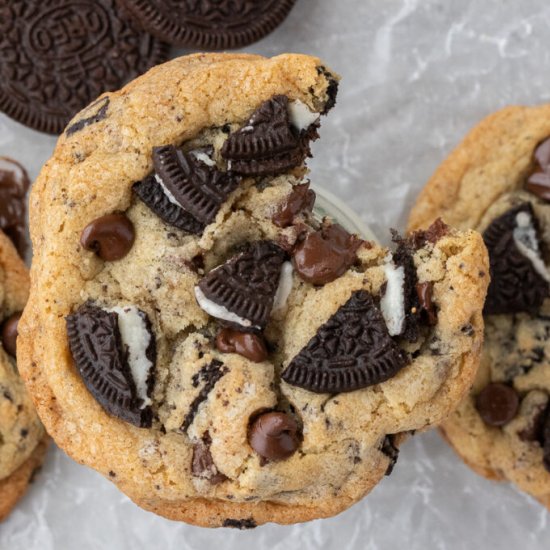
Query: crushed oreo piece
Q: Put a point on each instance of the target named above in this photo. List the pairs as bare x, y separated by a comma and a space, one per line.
241, 524
391, 451
195, 185
101, 357
240, 292
268, 143
202, 464
352, 350
209, 375
301, 199
538, 182
151, 193
534, 431
332, 89
546, 440
516, 283
95, 113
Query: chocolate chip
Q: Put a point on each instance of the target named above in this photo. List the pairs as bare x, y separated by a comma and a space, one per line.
246, 344
246, 285
202, 464
534, 431
268, 143
301, 199
101, 358
390, 449
516, 286
150, 191
111, 236
497, 404
274, 435
209, 375
325, 255
427, 307
352, 350
14, 184
241, 524
9, 333
538, 182
434, 233
198, 188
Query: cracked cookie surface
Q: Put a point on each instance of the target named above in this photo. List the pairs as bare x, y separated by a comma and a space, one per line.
20, 428
496, 181
231, 287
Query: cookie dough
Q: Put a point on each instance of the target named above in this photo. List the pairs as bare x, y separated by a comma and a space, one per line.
220, 354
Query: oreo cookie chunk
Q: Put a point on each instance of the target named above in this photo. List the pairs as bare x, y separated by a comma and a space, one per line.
58, 55
241, 292
209, 24
115, 352
187, 190
14, 184
519, 277
352, 350
274, 140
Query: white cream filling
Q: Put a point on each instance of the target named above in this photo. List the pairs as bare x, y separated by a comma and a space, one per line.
218, 311
166, 191
134, 334
284, 288
525, 238
203, 157
300, 115
392, 304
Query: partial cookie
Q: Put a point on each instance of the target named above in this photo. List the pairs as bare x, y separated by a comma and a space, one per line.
58, 55
20, 428
498, 182
209, 24
239, 361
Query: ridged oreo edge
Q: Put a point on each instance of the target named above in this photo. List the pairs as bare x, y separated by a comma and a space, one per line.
200, 189
152, 194
246, 284
98, 352
352, 350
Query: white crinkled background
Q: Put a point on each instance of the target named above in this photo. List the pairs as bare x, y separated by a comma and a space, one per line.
417, 74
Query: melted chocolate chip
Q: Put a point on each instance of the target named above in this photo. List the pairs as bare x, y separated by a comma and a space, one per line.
436, 231
111, 236
497, 404
9, 333
538, 182
246, 344
301, 199
352, 350
325, 255
14, 183
427, 307
274, 435
202, 464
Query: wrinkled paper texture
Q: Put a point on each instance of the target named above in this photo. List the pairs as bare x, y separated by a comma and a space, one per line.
417, 74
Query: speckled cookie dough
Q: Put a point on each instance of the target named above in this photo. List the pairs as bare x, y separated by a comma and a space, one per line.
198, 336
20, 428
498, 182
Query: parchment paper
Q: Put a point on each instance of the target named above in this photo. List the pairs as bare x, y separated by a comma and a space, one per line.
417, 74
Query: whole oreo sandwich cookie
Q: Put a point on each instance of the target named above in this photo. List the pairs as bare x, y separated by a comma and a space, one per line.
59, 55
23, 441
498, 182
209, 24
230, 358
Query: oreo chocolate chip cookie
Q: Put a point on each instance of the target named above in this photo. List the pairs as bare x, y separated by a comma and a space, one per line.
58, 55
209, 24
257, 306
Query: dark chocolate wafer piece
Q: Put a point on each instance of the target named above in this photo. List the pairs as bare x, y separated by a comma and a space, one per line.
151, 193
56, 56
101, 358
352, 350
516, 285
210, 24
244, 286
200, 189
268, 143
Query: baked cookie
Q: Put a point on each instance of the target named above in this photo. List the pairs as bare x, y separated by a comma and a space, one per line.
21, 432
195, 334
498, 182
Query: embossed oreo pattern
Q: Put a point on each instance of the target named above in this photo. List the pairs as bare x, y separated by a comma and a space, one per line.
210, 24
58, 55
